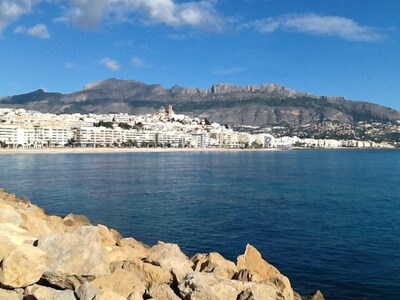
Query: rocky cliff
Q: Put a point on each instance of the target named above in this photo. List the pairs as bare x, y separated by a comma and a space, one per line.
257, 105
46, 257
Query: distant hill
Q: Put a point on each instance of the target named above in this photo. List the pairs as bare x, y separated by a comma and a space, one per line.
257, 105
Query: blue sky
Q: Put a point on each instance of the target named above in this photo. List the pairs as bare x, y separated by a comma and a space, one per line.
325, 47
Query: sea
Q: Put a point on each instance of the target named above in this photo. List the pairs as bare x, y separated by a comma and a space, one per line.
327, 219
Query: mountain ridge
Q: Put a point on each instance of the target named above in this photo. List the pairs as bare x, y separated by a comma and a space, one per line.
255, 105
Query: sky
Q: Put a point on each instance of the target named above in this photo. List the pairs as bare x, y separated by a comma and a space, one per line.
324, 47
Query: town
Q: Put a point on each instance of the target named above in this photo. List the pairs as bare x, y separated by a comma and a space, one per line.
20, 128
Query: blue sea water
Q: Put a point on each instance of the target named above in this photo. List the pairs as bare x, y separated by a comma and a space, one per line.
329, 220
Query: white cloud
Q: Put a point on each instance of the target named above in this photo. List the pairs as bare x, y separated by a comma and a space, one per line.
89, 13
318, 25
110, 64
11, 10
228, 71
38, 31
138, 62
70, 65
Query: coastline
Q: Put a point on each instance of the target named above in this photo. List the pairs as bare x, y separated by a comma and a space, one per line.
125, 150
164, 150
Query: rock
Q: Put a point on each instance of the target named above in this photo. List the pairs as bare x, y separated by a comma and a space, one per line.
262, 271
140, 249
162, 292
107, 237
215, 263
243, 275
208, 286
107, 295
296, 296
35, 225
316, 296
72, 220
12, 236
46, 293
23, 266
75, 257
148, 273
169, 257
11, 294
86, 291
246, 295
8, 214
120, 282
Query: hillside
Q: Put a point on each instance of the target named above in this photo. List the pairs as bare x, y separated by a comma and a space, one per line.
257, 105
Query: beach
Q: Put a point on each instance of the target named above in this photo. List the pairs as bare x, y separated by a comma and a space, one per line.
123, 150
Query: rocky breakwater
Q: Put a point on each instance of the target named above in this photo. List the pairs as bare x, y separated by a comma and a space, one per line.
46, 257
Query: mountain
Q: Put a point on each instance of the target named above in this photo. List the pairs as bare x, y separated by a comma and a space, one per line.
256, 105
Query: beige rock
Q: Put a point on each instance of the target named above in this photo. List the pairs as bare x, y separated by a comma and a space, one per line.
162, 292
107, 237
316, 296
46, 293
75, 257
72, 220
8, 214
208, 286
12, 236
121, 282
108, 295
170, 257
36, 225
215, 263
140, 250
262, 271
10, 295
148, 273
23, 266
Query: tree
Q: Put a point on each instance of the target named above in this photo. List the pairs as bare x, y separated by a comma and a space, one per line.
124, 126
104, 124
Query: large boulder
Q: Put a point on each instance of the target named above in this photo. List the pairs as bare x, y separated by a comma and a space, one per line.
11, 294
162, 292
9, 214
208, 286
170, 257
215, 263
148, 273
74, 257
23, 266
39, 292
139, 249
120, 282
262, 271
12, 236
86, 291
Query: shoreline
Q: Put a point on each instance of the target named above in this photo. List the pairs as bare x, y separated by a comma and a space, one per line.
161, 150
124, 150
